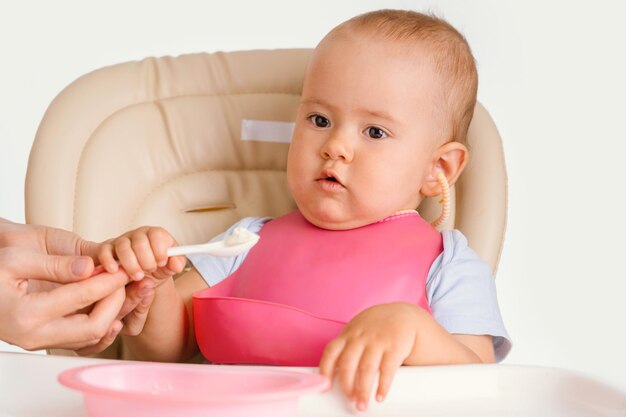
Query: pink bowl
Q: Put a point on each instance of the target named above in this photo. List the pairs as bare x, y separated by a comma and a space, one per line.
154, 390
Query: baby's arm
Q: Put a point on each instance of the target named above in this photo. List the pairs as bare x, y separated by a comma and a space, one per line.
433, 344
170, 315
462, 296
168, 333
386, 336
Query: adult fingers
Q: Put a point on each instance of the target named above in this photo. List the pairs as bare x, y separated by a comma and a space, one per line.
365, 376
64, 242
135, 321
80, 330
103, 343
388, 367
135, 293
103, 314
69, 298
90, 249
23, 263
59, 241
132, 297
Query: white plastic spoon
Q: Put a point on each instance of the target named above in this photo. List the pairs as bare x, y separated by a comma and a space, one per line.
238, 242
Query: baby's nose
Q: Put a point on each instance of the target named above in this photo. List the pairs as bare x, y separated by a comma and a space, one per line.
337, 147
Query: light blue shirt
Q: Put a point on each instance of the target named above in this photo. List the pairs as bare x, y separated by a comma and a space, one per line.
460, 287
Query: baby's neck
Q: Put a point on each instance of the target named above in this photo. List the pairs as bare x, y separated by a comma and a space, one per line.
406, 211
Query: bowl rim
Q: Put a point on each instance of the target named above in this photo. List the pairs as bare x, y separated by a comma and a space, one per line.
304, 383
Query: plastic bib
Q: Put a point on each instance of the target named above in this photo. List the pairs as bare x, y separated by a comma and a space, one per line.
301, 284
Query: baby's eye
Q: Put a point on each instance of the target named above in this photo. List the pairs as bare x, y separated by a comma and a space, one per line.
319, 121
375, 132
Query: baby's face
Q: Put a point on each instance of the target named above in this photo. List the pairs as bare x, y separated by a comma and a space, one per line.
365, 134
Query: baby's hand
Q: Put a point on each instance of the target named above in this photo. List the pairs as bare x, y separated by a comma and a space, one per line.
140, 252
143, 255
379, 338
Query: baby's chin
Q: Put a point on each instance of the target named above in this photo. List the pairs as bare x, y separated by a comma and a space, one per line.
334, 221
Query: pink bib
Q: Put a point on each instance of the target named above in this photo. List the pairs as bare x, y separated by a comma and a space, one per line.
301, 284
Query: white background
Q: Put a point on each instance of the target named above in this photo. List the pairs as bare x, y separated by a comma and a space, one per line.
552, 74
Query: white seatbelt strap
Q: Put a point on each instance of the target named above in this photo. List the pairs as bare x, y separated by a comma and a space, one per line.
266, 131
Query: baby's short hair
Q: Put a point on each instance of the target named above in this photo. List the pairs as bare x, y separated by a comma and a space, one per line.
450, 54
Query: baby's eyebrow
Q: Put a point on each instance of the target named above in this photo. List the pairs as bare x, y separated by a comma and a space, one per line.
318, 101
380, 114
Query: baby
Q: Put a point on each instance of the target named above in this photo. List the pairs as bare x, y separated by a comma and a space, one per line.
386, 104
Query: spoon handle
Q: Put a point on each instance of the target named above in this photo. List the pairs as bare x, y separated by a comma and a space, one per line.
189, 249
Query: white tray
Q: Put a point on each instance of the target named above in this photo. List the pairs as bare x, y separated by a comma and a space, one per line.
482, 391
28, 388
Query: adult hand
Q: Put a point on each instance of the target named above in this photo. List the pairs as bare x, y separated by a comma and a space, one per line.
48, 319
135, 301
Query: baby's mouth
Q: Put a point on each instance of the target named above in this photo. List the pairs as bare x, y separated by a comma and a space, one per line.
330, 178
330, 184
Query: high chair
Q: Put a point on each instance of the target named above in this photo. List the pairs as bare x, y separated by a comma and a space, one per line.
160, 142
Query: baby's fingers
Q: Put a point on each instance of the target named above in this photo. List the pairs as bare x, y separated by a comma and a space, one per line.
365, 376
127, 258
328, 363
142, 247
160, 240
176, 264
347, 365
106, 256
388, 367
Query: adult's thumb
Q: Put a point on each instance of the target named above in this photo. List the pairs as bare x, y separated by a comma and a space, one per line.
23, 263
91, 249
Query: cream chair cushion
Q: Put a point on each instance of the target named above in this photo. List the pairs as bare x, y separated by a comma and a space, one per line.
158, 142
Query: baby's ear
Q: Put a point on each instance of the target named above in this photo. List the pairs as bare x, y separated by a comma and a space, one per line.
450, 159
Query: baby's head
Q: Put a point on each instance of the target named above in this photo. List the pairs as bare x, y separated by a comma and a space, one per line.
387, 100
